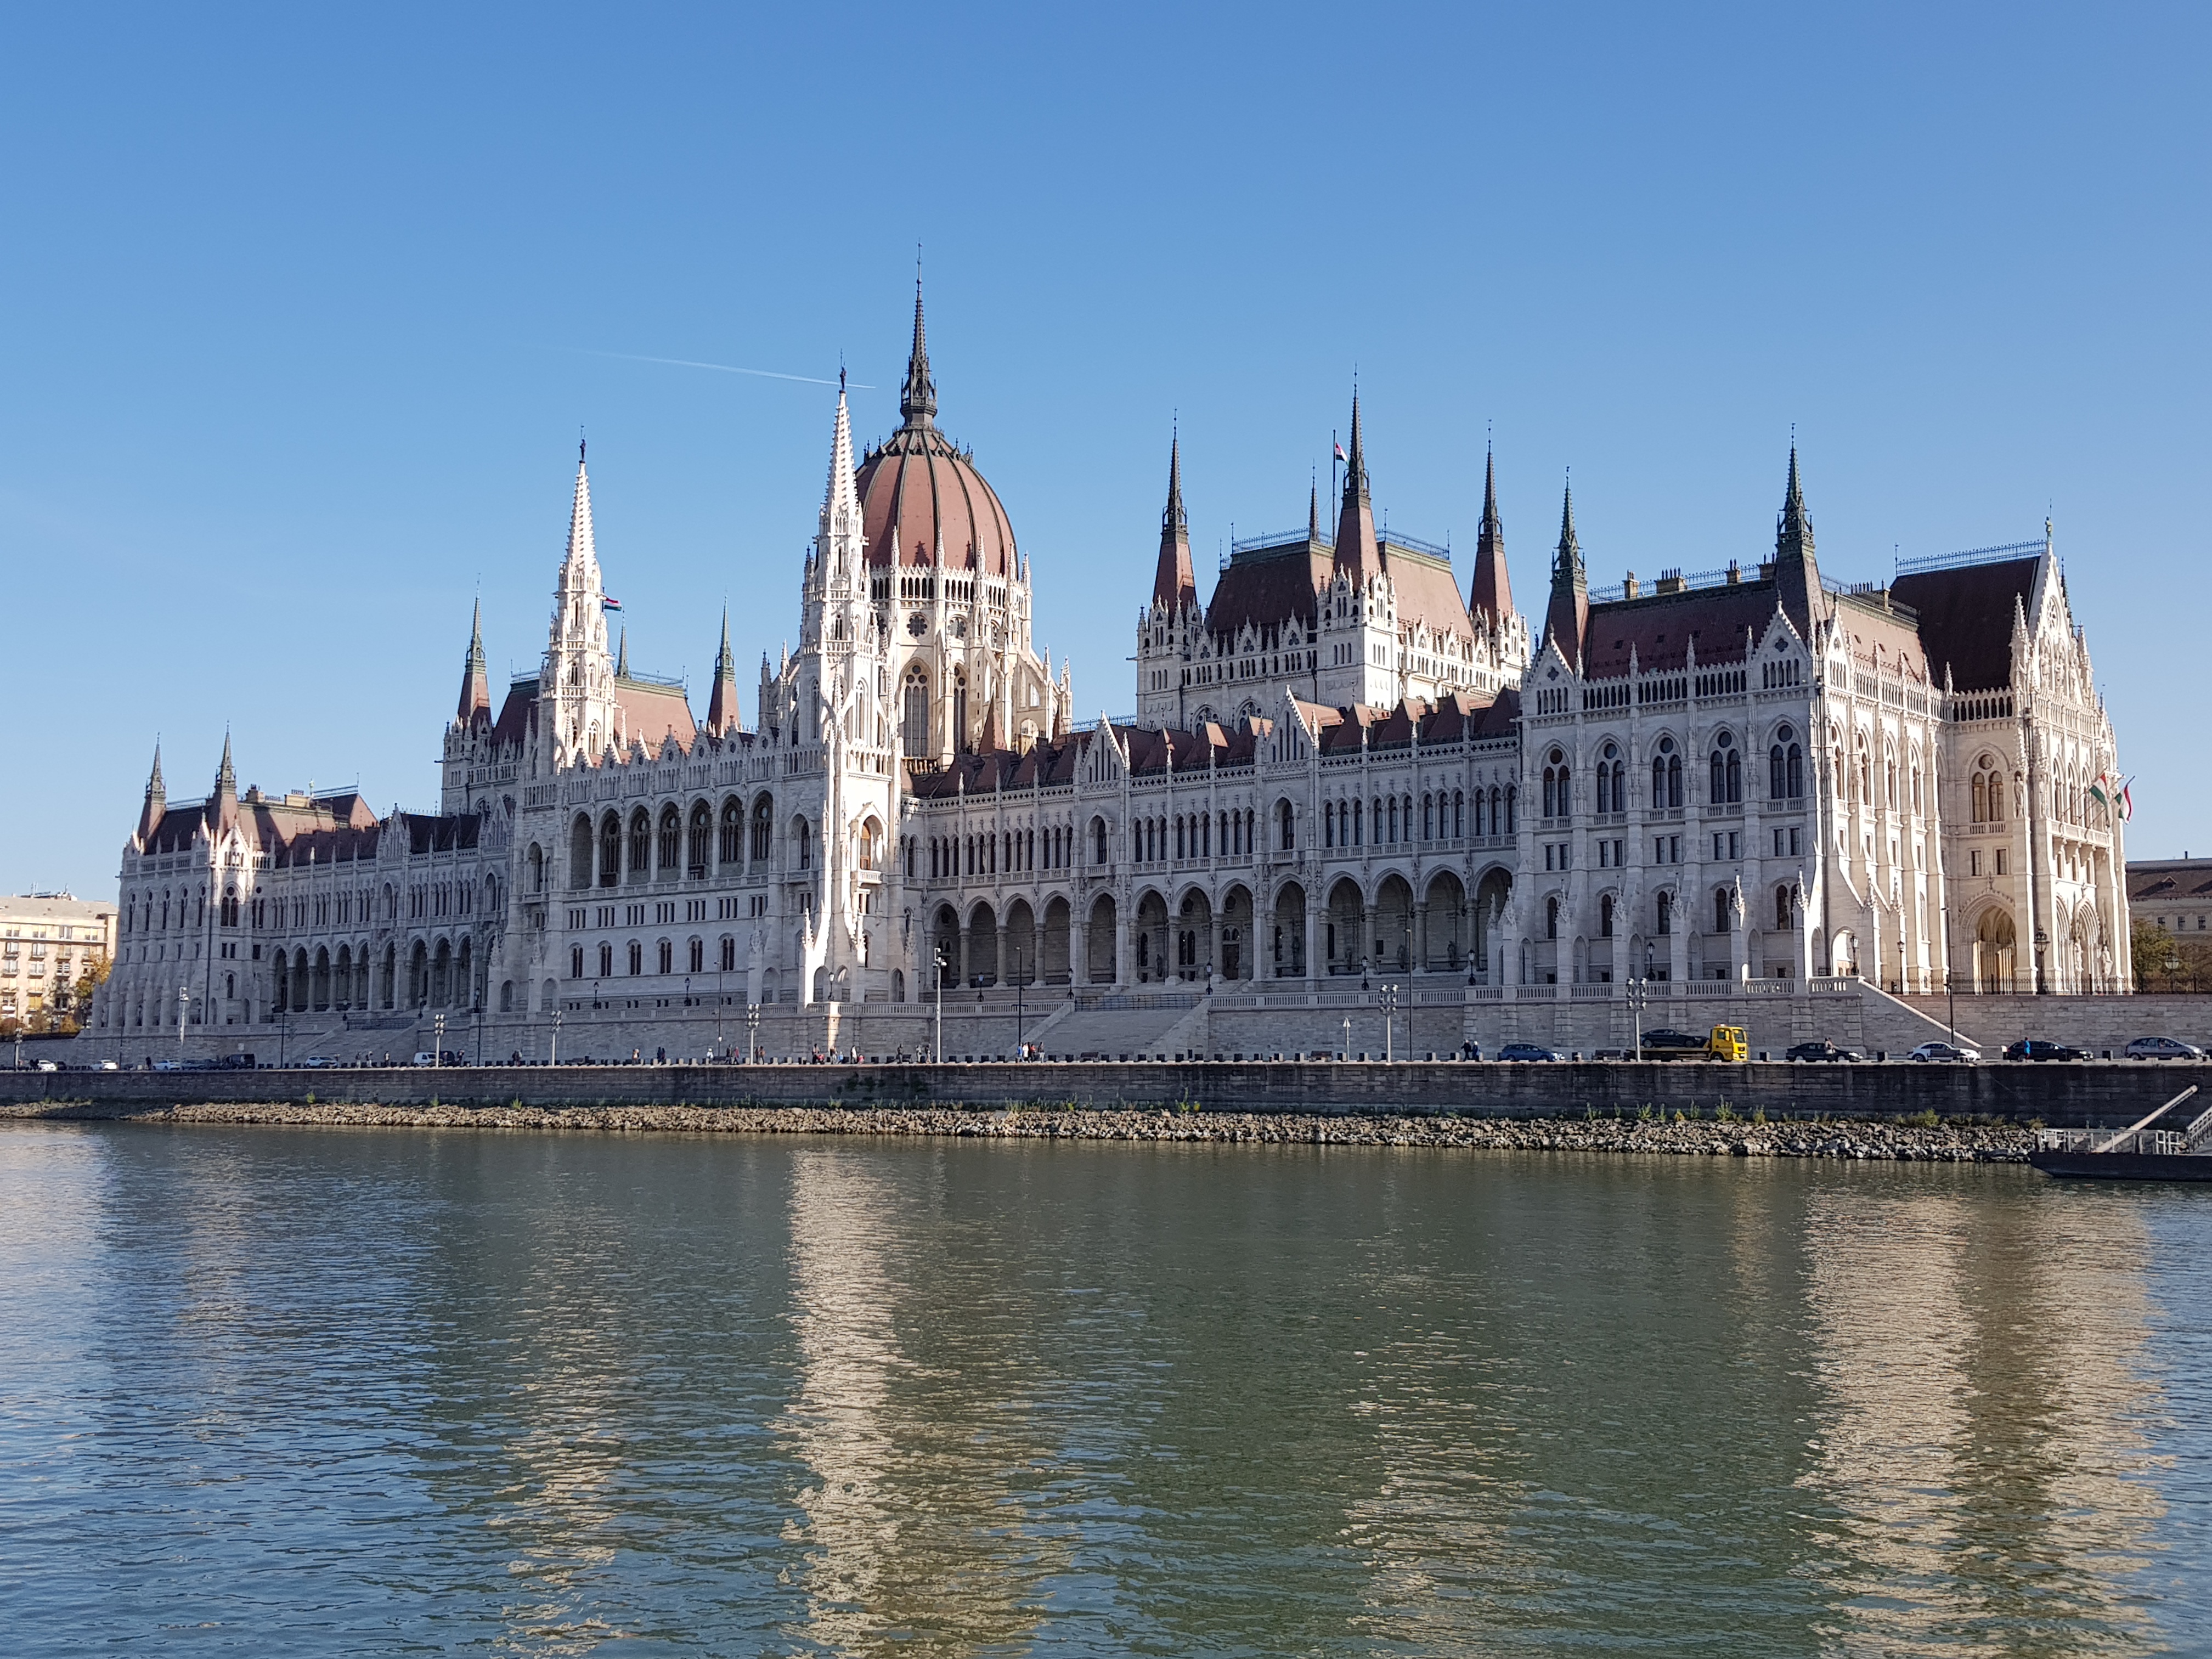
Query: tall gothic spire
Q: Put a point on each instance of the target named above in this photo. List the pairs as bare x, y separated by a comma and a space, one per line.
1355, 552
580, 567
1566, 620
1796, 573
1313, 512
1175, 587
622, 658
1490, 598
918, 400
722, 704
841, 504
157, 796
476, 681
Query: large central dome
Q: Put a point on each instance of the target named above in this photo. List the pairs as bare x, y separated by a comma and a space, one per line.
918, 493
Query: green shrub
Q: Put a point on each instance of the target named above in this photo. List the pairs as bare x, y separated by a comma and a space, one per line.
1920, 1120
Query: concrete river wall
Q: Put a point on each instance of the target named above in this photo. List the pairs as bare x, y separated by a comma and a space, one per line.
2068, 1093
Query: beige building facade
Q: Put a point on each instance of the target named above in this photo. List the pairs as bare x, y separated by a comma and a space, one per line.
48, 943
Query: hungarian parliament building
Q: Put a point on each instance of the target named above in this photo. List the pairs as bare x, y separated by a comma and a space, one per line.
1344, 767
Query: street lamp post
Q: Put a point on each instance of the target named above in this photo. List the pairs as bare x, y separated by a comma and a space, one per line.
438, 1039
752, 1032
1018, 1004
1636, 995
183, 996
553, 1046
1347, 1037
2042, 939
937, 1042
1389, 1001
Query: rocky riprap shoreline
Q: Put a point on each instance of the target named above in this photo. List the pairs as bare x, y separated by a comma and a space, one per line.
1855, 1140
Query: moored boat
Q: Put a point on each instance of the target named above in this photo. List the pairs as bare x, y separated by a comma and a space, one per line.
2138, 1152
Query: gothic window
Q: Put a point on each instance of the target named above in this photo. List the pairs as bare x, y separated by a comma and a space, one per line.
537, 876
606, 962
1555, 785
1512, 808
1285, 825
1665, 775
1552, 917
1720, 910
229, 914
672, 834
609, 850
960, 711
1359, 827
700, 840
1428, 816
667, 955
1328, 824
1459, 812
731, 842
729, 955
1605, 916
763, 829
1781, 910
640, 842
636, 958
914, 716
1727, 768
1785, 766
1098, 840
1663, 914
697, 955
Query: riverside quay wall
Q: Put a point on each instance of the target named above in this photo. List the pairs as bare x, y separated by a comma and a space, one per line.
2090, 1093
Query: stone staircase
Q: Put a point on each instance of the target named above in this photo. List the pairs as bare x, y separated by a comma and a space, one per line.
1131, 1026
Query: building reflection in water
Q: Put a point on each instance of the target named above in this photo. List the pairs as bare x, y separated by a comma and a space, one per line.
1977, 1424
917, 1522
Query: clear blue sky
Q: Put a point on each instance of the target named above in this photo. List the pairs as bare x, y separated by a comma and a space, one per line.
296, 305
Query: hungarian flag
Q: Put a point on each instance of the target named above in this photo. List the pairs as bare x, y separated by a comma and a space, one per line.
609, 602
1340, 455
2115, 798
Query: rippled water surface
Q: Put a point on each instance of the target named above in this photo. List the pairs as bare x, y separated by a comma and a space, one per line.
380, 1392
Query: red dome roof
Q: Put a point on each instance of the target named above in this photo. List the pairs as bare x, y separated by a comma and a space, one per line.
918, 492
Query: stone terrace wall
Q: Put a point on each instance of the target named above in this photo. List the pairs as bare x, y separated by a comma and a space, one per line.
2097, 1092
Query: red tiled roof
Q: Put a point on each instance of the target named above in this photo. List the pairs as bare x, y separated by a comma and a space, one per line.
918, 490
651, 712
1269, 586
1659, 627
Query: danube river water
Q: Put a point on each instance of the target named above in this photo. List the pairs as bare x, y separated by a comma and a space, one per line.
367, 1392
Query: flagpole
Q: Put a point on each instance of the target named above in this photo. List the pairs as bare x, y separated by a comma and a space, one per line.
1335, 448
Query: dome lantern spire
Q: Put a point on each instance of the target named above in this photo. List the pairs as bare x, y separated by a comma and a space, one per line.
917, 399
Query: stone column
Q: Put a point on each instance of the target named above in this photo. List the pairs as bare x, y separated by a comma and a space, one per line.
1311, 918
1078, 949
1367, 956
1420, 941
1004, 967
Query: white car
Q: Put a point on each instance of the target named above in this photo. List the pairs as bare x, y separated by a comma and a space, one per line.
426, 1058
1945, 1051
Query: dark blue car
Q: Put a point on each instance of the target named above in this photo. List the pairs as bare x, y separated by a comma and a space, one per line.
1526, 1051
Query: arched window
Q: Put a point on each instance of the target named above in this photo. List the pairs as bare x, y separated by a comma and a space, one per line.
609, 850
960, 711
1512, 808
730, 846
1459, 813
1785, 766
913, 712
1782, 908
640, 842
1552, 916
802, 838
1328, 824
1098, 840
1981, 799
1665, 775
871, 840
228, 912
763, 829
1428, 816
537, 869
697, 955
607, 961
1663, 913
1611, 781
667, 955
1727, 770
671, 834
1720, 909
1555, 785
1287, 826
1605, 915
636, 958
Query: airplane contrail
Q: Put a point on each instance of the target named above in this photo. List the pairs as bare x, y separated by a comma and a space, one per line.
720, 368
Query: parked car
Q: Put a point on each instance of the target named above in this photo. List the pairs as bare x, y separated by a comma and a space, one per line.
1664, 1041
425, 1057
231, 1063
1822, 1051
45, 1064
2043, 1049
106, 1066
168, 1064
318, 1062
2163, 1048
1526, 1051
1945, 1051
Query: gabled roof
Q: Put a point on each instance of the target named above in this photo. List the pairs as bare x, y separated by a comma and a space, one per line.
651, 712
1270, 584
1659, 627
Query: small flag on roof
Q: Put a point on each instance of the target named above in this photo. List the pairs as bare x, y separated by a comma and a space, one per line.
1340, 455
609, 602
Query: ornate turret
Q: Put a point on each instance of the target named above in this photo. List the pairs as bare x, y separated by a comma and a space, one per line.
1174, 588
1566, 620
157, 798
476, 683
1796, 574
1357, 556
722, 718
1490, 598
